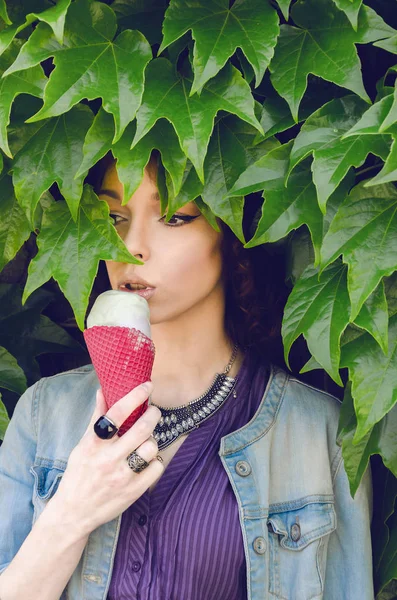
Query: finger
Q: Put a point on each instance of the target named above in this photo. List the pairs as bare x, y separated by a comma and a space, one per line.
146, 477
100, 409
140, 431
124, 407
148, 450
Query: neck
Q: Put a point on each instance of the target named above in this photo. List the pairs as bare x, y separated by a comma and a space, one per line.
189, 353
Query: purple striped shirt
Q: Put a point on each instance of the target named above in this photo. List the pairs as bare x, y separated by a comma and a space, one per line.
183, 541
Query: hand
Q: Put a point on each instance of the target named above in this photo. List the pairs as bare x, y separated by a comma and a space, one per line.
98, 485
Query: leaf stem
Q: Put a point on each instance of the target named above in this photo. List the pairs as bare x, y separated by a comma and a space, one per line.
361, 171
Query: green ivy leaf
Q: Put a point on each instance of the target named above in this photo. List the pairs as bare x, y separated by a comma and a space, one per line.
318, 308
18, 132
131, 163
373, 317
14, 226
54, 17
230, 152
351, 8
208, 214
287, 205
379, 327
190, 190
97, 142
276, 115
375, 120
389, 171
12, 376
386, 569
219, 30
284, 6
31, 81
26, 333
166, 95
363, 230
385, 543
379, 440
288, 208
374, 379
63, 251
53, 154
4, 420
390, 44
3, 13
89, 64
263, 173
285, 208
323, 44
389, 124
147, 16
376, 324
299, 255
322, 135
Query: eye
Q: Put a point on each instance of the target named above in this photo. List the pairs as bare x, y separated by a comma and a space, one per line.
114, 217
182, 218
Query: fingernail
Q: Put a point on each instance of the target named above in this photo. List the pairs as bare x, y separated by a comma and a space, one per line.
148, 386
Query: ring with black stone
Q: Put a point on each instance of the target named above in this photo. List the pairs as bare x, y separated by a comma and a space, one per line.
105, 428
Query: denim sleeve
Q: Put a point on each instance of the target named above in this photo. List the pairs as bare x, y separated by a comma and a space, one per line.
17, 455
349, 559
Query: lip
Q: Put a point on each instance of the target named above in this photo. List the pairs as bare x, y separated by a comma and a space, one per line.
148, 293
135, 279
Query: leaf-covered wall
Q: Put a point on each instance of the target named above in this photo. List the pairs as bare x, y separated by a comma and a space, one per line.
295, 100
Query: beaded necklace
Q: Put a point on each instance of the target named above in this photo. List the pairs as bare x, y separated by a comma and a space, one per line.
179, 420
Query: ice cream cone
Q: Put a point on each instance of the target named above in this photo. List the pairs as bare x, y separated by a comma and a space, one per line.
122, 356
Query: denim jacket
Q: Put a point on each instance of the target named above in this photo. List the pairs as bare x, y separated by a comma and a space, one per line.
305, 538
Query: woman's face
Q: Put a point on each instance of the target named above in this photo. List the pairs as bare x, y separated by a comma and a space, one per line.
182, 258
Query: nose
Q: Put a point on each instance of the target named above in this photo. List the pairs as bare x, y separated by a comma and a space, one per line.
137, 238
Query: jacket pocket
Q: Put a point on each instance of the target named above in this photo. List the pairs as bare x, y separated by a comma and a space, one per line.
47, 478
298, 541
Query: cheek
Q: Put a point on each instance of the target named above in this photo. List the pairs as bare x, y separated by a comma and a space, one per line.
195, 267
113, 268
191, 266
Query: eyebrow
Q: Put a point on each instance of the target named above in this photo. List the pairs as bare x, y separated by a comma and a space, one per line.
116, 196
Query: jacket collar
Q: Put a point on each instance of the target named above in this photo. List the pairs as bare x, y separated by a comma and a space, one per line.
262, 419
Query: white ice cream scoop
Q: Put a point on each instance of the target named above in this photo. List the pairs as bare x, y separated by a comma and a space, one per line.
114, 308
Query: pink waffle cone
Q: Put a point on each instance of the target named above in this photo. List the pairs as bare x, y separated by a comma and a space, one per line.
123, 359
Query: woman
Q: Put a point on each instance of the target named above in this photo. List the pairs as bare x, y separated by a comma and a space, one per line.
252, 503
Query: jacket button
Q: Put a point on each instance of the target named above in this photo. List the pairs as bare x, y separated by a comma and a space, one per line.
295, 532
136, 566
243, 468
259, 545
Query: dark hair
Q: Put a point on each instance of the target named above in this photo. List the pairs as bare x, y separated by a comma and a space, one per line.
254, 281
255, 291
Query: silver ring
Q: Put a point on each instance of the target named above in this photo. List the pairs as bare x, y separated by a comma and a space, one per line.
136, 462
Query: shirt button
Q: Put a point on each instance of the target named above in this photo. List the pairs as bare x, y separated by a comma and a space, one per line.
136, 566
295, 532
243, 468
259, 545
142, 520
